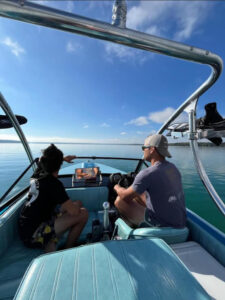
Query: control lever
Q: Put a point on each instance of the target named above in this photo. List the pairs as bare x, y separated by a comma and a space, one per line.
106, 216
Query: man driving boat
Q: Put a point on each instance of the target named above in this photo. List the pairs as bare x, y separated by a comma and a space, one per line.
40, 225
156, 195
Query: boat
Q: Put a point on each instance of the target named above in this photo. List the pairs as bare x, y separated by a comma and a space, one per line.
114, 261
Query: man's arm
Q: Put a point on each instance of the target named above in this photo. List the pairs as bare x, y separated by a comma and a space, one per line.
125, 194
70, 207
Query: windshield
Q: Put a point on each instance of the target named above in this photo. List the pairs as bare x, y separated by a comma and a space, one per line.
106, 165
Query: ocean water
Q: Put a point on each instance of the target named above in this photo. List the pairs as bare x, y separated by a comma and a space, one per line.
13, 161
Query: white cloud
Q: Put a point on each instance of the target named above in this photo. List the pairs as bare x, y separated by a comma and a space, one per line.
14, 47
153, 30
122, 52
85, 126
146, 13
42, 2
70, 6
123, 133
161, 116
177, 20
125, 54
154, 17
73, 47
158, 117
189, 16
6, 136
105, 125
140, 121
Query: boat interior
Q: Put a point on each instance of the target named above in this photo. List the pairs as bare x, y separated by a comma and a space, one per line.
113, 260
115, 249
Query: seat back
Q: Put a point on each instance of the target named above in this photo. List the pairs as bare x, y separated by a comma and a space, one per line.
9, 225
91, 197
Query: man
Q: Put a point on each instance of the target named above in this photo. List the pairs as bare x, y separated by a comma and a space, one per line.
39, 223
156, 195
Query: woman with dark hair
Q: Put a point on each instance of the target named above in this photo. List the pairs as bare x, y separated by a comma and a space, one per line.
39, 223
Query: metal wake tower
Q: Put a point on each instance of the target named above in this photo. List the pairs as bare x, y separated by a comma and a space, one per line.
119, 16
118, 33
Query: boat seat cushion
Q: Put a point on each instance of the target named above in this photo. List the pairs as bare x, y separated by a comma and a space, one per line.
14, 261
15, 257
127, 269
168, 234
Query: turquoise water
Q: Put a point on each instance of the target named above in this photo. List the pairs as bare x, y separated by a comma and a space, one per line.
13, 161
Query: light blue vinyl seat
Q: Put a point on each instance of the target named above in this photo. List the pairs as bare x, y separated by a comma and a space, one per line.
168, 234
15, 257
126, 270
13, 264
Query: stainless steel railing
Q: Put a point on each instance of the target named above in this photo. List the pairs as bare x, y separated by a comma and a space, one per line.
6, 108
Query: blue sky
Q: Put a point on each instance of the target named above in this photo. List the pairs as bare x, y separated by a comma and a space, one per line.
76, 89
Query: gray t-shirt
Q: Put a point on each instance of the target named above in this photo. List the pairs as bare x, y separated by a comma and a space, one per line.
164, 194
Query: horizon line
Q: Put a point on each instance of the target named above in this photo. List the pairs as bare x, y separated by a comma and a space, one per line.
98, 143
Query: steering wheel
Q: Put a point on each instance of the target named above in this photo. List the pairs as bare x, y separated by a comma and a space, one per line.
124, 180
114, 178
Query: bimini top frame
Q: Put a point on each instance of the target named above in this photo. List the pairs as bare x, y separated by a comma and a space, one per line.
53, 18
6, 108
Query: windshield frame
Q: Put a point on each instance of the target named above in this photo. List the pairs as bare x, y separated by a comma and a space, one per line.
140, 162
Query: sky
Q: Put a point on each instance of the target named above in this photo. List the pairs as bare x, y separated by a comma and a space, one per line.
75, 89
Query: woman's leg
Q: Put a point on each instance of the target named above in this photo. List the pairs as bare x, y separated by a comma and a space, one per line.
74, 224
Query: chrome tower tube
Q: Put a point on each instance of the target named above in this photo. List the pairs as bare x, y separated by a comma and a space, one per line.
199, 166
53, 18
205, 180
119, 16
5, 106
41, 15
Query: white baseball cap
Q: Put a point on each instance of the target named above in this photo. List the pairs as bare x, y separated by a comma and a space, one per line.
160, 142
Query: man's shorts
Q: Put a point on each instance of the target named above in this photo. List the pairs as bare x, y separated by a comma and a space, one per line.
44, 234
148, 221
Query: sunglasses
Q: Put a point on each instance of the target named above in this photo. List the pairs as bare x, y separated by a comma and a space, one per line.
145, 147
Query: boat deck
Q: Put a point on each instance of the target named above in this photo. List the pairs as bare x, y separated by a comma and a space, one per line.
204, 267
